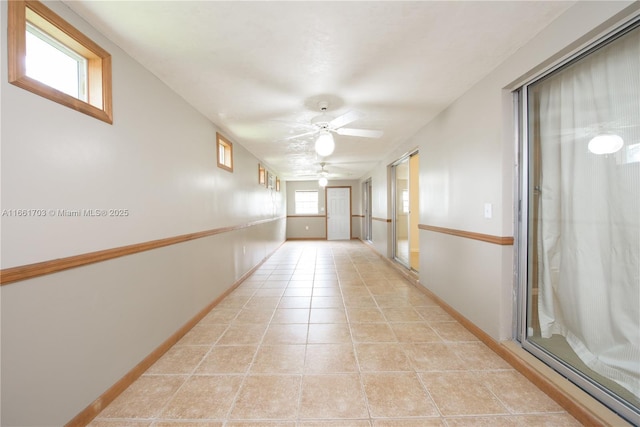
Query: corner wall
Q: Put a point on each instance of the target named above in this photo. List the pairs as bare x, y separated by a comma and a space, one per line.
302, 227
67, 337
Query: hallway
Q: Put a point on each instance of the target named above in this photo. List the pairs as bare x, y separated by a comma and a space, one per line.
327, 333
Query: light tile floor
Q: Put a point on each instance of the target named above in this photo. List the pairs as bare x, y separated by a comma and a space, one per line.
327, 333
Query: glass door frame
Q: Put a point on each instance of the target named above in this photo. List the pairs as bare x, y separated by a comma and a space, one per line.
523, 245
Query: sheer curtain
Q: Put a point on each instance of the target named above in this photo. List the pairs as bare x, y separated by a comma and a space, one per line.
588, 237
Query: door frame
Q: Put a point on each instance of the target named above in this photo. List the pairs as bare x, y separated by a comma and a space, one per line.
394, 207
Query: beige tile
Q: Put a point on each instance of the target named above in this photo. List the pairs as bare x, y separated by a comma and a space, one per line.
227, 360
244, 291
179, 360
461, 393
221, 315
297, 283
330, 358
405, 314
477, 356
327, 315
275, 284
434, 357
188, 424
262, 302
372, 332
382, 357
391, 301
327, 292
415, 422
329, 333
268, 396
286, 334
453, 331
118, 423
397, 395
359, 301
295, 302
243, 333
203, 334
335, 423
414, 332
298, 292
285, 358
261, 424
517, 393
291, 315
321, 283
203, 397
234, 301
332, 396
254, 315
354, 289
326, 302
365, 315
434, 313
268, 292
546, 420
145, 398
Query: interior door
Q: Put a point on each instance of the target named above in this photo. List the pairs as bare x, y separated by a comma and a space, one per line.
338, 213
367, 210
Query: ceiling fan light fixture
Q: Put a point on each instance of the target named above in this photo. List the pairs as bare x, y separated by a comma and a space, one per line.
323, 181
325, 144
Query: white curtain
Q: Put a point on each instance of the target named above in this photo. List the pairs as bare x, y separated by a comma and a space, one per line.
588, 237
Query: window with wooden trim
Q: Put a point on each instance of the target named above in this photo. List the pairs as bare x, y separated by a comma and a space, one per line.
51, 58
306, 202
225, 153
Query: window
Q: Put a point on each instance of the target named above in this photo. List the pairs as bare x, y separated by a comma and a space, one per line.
225, 153
49, 57
306, 202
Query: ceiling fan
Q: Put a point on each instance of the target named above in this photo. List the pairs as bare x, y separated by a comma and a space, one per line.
325, 125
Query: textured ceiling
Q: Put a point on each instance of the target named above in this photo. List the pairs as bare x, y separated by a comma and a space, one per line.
259, 69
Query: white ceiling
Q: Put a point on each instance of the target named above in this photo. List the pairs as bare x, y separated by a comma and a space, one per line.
259, 69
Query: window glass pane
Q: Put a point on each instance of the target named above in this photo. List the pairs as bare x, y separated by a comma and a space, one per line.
306, 202
53, 66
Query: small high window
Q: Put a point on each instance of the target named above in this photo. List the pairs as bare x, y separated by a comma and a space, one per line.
306, 202
225, 153
51, 58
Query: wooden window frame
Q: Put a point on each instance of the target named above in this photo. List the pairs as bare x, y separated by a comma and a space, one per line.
222, 142
99, 78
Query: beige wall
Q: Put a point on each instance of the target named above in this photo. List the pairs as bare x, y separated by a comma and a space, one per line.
67, 337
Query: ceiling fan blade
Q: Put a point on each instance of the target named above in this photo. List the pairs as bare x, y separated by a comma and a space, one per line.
344, 119
300, 135
366, 133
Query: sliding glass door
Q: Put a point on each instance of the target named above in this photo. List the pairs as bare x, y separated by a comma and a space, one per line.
580, 220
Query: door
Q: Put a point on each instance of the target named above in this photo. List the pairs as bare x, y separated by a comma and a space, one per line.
579, 241
338, 213
367, 210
